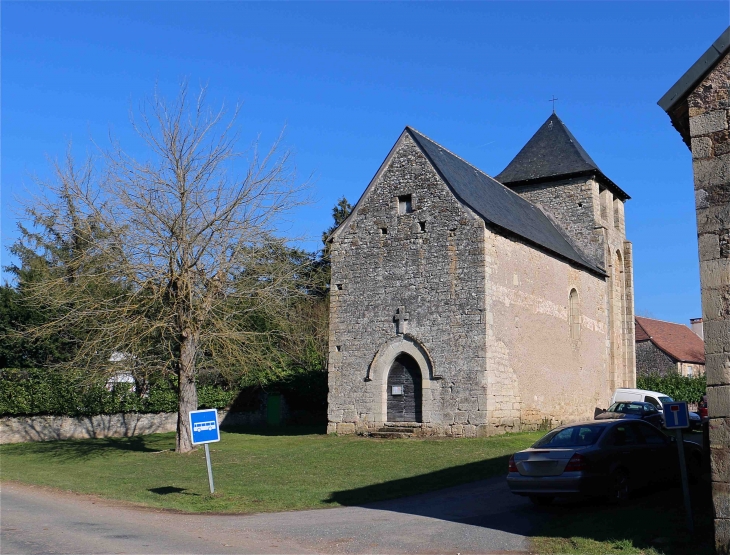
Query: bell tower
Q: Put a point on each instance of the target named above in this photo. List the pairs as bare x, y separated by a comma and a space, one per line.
554, 172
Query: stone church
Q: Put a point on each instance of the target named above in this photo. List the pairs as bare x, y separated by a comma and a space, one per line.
471, 305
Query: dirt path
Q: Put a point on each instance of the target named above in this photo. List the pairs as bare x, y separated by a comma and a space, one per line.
481, 517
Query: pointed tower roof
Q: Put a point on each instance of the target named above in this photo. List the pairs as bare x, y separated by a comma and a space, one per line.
553, 153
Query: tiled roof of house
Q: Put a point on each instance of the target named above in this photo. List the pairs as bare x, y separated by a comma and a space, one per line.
497, 204
677, 340
553, 153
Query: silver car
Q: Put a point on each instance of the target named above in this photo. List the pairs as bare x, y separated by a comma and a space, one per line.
599, 458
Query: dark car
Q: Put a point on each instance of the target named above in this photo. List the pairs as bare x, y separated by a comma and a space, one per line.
600, 458
633, 410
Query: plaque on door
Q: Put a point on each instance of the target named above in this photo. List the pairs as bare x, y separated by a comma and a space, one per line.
396, 390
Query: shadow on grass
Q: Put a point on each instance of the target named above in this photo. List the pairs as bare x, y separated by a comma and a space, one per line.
276, 430
74, 449
167, 490
652, 521
423, 483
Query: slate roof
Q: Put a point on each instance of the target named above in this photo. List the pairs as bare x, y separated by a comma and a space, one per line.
497, 204
552, 153
676, 340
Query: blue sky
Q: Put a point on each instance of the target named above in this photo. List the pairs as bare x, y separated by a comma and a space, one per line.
345, 78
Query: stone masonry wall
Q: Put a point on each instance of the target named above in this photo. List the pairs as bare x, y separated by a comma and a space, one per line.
26, 429
595, 222
574, 203
652, 360
709, 113
559, 379
381, 261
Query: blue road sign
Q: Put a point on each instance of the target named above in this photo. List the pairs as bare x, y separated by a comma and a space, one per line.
676, 415
204, 426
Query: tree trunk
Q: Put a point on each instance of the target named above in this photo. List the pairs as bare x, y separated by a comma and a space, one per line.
187, 393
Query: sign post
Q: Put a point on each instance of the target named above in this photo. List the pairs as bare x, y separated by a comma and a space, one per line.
204, 429
676, 417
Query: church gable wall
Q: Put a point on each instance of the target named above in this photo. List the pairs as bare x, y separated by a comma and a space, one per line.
535, 369
430, 262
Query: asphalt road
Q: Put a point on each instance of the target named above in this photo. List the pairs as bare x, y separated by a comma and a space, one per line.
480, 517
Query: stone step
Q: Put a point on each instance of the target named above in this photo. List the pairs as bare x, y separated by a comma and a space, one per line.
400, 429
403, 424
390, 435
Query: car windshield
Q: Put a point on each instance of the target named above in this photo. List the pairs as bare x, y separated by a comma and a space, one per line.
666, 400
626, 408
575, 436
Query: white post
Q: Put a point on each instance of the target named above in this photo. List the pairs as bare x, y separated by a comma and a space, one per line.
685, 485
210, 470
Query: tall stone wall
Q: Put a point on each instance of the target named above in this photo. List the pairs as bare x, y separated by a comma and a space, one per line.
709, 113
595, 222
427, 264
558, 377
652, 360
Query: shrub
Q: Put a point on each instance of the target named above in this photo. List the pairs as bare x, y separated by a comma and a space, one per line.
34, 391
678, 387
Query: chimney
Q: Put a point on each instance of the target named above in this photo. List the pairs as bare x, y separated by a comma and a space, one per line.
696, 325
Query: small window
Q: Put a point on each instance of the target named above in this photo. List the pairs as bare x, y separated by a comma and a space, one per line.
384, 231
574, 314
339, 348
339, 286
405, 204
422, 226
689, 371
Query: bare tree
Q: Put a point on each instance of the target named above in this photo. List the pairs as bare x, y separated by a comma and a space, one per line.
168, 254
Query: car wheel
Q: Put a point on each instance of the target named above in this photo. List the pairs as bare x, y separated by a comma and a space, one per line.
618, 489
542, 500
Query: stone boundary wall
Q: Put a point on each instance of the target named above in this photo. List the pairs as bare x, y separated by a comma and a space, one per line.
25, 429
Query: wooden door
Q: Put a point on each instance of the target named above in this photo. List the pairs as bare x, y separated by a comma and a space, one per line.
404, 390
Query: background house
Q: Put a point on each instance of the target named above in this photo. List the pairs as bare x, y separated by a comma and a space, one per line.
663, 347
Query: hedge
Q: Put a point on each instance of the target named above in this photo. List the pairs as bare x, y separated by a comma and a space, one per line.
33, 391
679, 388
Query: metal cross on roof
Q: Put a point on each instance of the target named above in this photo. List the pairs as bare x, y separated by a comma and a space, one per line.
553, 99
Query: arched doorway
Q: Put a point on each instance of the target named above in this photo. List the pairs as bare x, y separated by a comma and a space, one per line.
404, 390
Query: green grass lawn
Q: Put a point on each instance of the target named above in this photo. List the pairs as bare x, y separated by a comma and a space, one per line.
298, 469
651, 523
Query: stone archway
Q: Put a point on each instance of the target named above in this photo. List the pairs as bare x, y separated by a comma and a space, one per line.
380, 367
404, 394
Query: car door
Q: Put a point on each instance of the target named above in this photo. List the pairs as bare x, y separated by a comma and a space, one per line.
627, 451
660, 457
